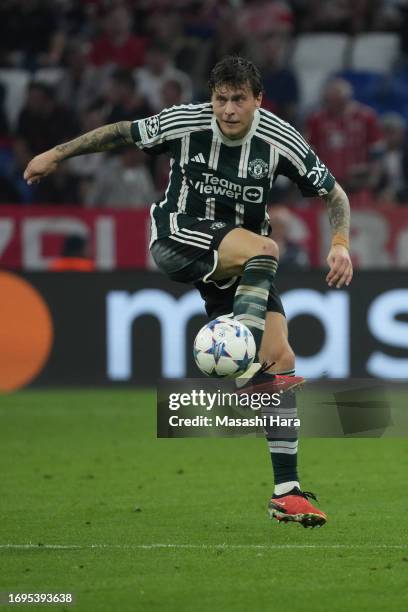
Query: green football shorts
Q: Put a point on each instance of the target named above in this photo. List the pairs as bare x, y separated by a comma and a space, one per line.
190, 256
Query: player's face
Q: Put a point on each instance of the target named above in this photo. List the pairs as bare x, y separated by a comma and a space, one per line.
234, 109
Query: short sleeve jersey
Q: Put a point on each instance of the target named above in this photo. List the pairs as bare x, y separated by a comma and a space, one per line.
214, 177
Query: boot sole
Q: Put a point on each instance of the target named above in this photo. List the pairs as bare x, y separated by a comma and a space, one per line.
306, 519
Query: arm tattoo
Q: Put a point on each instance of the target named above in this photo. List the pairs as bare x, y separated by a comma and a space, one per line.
338, 208
103, 138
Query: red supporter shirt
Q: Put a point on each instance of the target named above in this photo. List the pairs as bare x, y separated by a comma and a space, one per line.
131, 54
343, 141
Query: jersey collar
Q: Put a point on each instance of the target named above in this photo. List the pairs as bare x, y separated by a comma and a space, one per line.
236, 143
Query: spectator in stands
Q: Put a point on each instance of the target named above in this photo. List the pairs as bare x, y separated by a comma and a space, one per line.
347, 136
4, 124
81, 83
256, 16
171, 93
393, 15
187, 32
31, 34
124, 181
74, 257
166, 25
339, 15
43, 122
11, 188
291, 255
84, 168
394, 184
199, 18
199, 25
117, 46
281, 91
159, 68
389, 14
9, 192
230, 38
127, 104
63, 188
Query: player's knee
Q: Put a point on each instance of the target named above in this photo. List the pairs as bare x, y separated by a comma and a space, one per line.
264, 246
269, 247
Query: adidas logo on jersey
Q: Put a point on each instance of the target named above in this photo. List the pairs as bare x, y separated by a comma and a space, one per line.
198, 158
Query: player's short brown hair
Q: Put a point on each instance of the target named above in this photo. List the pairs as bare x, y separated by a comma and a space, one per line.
236, 71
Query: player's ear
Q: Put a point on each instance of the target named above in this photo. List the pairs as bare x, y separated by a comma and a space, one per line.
258, 100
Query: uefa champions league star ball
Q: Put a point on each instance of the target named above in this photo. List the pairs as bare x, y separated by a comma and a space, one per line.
224, 348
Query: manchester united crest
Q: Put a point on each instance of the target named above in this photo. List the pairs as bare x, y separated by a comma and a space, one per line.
258, 168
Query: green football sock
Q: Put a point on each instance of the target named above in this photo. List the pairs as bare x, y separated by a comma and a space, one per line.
284, 452
251, 296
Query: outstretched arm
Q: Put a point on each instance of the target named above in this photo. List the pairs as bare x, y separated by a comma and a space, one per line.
338, 259
104, 138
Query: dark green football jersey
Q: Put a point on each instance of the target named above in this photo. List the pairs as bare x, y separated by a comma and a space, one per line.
213, 177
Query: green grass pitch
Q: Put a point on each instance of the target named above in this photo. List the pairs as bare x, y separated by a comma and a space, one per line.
129, 522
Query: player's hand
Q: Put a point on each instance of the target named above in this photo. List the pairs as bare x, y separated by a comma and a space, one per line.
341, 268
40, 166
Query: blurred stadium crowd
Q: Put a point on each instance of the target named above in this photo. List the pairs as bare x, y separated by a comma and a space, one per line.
338, 70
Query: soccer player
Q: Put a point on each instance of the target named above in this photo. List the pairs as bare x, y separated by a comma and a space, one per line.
211, 226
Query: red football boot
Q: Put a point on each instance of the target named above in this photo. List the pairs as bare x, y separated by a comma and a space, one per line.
295, 507
262, 382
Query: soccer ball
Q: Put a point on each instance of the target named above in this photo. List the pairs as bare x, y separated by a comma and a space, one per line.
224, 348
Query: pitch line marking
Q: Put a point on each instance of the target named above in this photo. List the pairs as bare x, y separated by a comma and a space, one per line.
31, 546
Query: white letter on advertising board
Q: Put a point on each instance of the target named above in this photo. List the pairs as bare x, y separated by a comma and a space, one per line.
385, 328
332, 310
124, 308
33, 231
